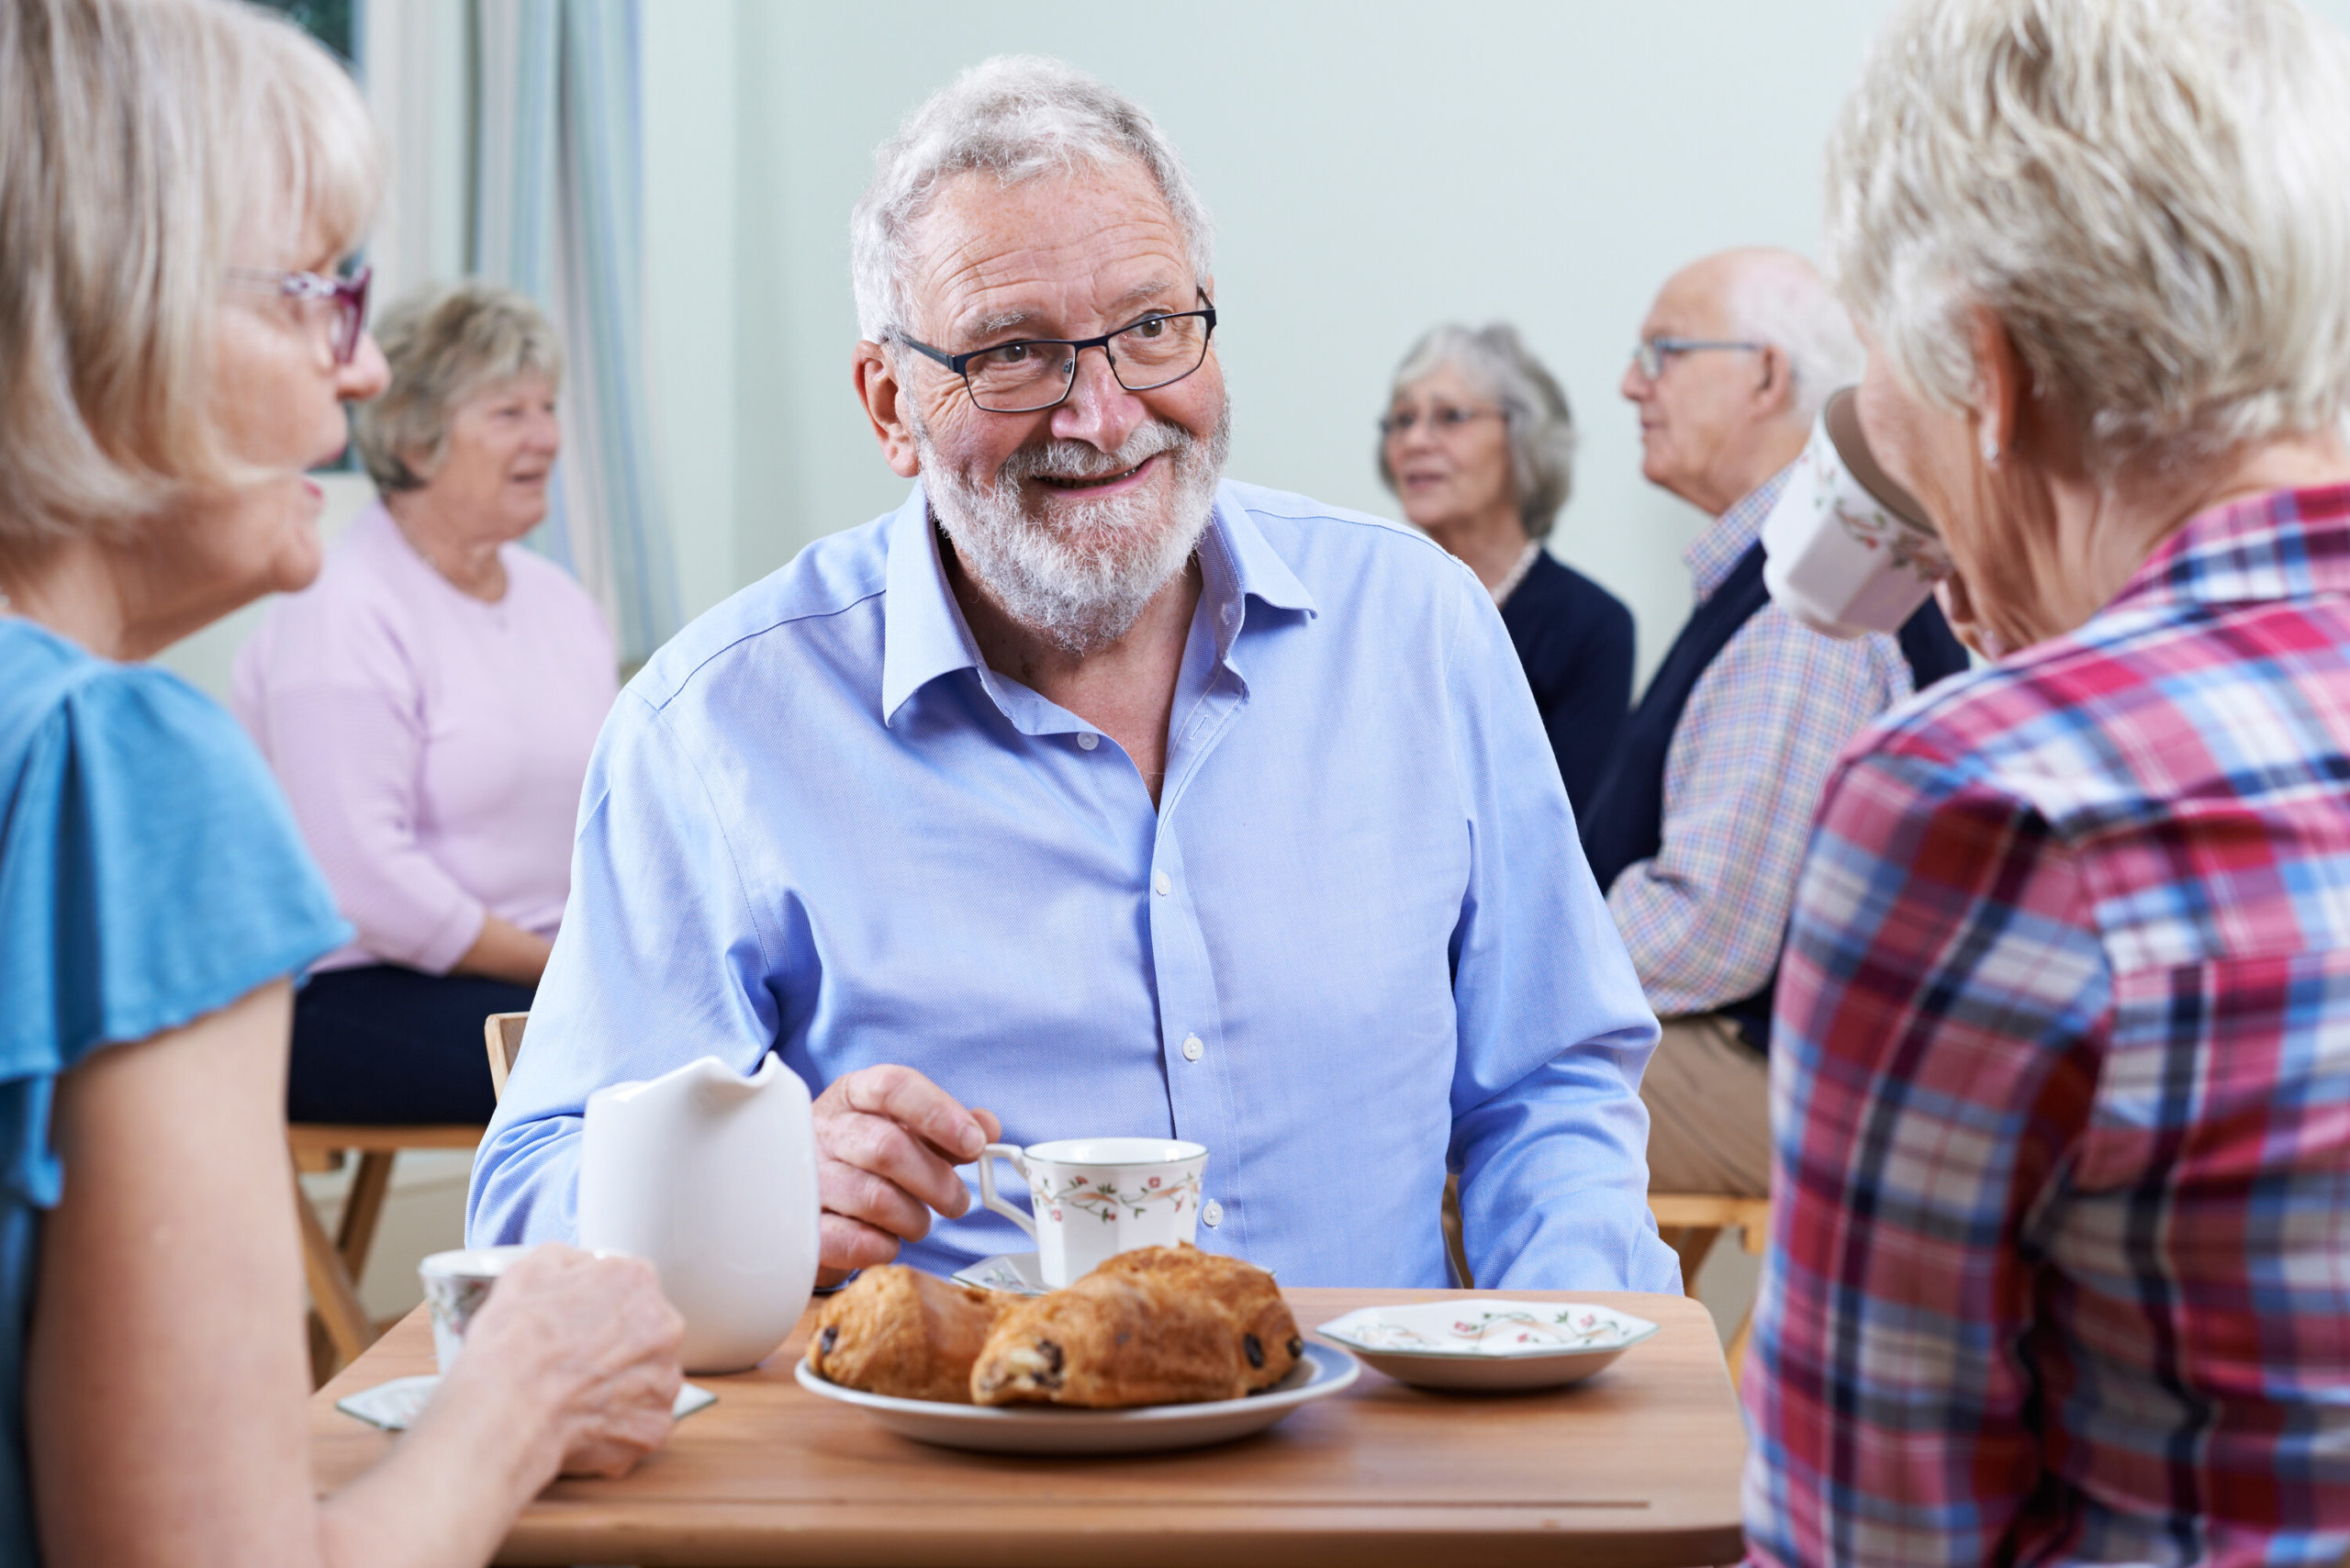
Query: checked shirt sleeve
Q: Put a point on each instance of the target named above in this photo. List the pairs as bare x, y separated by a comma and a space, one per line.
1703, 918
1941, 1008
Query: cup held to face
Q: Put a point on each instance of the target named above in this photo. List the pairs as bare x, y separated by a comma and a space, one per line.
455, 1285
1847, 550
1094, 1198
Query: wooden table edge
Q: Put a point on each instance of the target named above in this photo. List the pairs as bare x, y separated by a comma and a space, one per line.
727, 1536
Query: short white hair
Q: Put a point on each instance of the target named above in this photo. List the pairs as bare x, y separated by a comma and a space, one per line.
2152, 196
1018, 117
1780, 299
1541, 426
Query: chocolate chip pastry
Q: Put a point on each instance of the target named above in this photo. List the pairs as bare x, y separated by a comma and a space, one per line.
899, 1331
1141, 1330
1269, 1337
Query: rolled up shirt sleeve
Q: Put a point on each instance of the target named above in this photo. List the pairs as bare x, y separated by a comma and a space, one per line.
1704, 918
662, 960
1549, 1137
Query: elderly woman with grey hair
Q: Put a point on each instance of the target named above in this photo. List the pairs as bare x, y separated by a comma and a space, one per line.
1479, 445
429, 706
2062, 1168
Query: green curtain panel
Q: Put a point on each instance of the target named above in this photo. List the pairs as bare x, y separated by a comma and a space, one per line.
558, 213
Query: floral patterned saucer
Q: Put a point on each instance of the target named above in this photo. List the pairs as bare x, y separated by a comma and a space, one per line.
1488, 1342
1020, 1273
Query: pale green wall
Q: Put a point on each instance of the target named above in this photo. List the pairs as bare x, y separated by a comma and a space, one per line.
1373, 167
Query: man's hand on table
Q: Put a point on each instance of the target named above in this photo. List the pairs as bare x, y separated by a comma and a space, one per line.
888, 1140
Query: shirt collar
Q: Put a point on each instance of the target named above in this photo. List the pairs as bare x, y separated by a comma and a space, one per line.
2284, 545
925, 636
1719, 549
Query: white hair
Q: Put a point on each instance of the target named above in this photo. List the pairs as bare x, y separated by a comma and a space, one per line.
2151, 196
1541, 428
1778, 297
1084, 582
1016, 116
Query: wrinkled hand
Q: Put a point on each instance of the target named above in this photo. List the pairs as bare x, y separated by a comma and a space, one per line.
593, 1344
888, 1140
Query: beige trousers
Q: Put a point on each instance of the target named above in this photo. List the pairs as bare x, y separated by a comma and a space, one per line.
1709, 1094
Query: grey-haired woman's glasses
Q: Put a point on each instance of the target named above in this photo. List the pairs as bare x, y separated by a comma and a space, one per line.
1034, 373
348, 295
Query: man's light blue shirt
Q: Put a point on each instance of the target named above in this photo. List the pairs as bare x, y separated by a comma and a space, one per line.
1355, 941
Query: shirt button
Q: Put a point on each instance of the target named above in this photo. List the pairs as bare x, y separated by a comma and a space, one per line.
1191, 1049
1162, 884
1213, 1214
1088, 741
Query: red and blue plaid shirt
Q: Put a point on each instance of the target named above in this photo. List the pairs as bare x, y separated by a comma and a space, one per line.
2060, 1085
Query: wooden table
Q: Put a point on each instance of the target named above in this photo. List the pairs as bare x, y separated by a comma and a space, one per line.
1638, 1466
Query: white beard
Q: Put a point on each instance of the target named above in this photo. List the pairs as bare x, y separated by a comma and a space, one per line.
1083, 580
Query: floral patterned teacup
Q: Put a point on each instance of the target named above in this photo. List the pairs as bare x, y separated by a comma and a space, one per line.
1847, 549
1094, 1197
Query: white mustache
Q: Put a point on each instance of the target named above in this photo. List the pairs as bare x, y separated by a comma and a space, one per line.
1082, 460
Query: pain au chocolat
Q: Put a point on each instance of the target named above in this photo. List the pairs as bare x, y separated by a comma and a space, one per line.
1157, 1325
899, 1331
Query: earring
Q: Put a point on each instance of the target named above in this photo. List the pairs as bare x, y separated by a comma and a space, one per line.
1991, 449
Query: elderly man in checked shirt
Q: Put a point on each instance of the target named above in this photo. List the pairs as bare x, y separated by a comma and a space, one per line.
2059, 1267
1698, 827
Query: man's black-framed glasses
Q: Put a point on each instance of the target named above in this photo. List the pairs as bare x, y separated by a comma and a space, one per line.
1651, 354
1034, 373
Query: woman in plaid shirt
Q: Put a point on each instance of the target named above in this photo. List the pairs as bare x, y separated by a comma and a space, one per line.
2060, 1266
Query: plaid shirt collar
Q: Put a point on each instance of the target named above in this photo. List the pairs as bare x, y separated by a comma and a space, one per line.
2284, 545
1733, 534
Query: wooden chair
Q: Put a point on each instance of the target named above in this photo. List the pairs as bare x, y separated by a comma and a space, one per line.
502, 1033
334, 1265
1691, 1223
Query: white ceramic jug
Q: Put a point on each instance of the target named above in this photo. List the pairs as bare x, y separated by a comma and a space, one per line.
712, 1178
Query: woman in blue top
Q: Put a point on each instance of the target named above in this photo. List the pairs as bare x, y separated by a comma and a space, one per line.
177, 181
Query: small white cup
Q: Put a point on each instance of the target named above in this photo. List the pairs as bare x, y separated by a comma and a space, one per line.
1095, 1197
455, 1284
1847, 550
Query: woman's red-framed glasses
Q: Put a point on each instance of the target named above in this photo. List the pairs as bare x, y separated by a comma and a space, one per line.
348, 295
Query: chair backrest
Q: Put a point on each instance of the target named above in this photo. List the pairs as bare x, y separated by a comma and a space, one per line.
502, 1031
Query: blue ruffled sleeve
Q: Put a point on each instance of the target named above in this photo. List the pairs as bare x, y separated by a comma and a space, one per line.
150, 873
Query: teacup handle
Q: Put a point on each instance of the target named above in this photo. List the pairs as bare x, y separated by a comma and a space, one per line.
987, 1158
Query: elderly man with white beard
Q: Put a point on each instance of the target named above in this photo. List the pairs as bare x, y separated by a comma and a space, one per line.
1098, 791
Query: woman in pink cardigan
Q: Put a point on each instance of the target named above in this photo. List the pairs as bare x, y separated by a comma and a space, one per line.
428, 705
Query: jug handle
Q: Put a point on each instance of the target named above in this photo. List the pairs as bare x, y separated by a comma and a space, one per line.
987, 1158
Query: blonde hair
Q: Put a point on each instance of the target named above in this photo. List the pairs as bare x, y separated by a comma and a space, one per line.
140, 139
2152, 196
445, 344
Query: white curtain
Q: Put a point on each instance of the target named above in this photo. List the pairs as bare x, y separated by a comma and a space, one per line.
558, 214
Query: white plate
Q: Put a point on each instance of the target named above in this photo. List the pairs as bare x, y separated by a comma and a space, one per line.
1021, 1274
1488, 1341
1320, 1372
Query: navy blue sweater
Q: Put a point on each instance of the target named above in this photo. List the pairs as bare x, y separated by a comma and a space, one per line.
1575, 638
